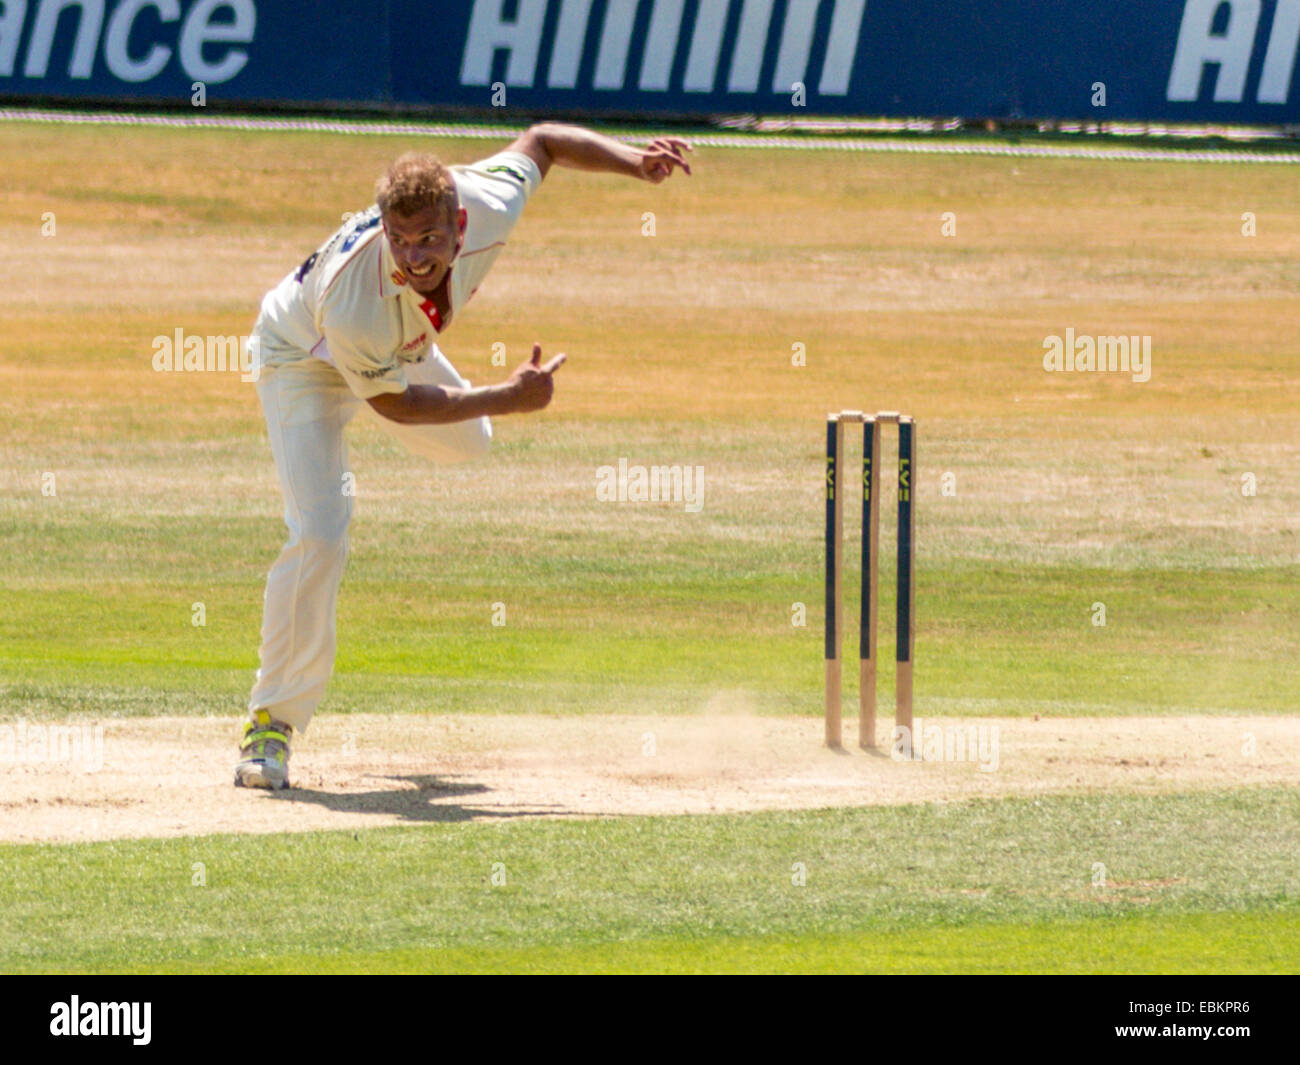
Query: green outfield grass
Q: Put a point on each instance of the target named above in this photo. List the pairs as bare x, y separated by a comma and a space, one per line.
1187, 944
1219, 642
1190, 884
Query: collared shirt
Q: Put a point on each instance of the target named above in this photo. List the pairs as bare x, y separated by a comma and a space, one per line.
350, 305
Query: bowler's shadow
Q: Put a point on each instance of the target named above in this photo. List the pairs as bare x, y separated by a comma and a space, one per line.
422, 801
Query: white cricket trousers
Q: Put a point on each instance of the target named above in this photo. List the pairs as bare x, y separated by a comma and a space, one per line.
307, 404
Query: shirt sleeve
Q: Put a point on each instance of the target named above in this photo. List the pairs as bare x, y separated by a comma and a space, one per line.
510, 177
494, 192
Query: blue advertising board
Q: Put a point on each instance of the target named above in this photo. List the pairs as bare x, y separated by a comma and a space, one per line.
1165, 60
159, 49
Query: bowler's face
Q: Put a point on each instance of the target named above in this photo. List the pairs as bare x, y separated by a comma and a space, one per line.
425, 244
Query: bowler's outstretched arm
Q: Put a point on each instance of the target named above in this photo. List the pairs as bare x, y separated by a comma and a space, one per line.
585, 149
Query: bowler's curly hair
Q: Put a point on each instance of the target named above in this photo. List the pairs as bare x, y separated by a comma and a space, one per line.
415, 181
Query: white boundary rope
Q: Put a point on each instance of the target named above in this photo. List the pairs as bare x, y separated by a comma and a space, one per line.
382, 128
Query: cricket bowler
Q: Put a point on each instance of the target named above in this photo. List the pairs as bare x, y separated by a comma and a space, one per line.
357, 327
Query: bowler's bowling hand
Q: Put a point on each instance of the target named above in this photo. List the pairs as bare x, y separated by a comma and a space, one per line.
532, 385
664, 153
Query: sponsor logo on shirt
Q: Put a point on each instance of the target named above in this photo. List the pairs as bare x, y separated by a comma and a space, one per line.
379, 371
416, 344
362, 223
501, 168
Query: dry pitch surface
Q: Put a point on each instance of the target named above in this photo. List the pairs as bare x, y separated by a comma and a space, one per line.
171, 776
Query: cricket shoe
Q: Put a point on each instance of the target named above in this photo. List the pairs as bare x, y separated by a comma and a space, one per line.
264, 753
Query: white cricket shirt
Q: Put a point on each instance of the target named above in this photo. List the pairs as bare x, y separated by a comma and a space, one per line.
349, 305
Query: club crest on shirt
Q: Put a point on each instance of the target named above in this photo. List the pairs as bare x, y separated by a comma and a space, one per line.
398, 277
